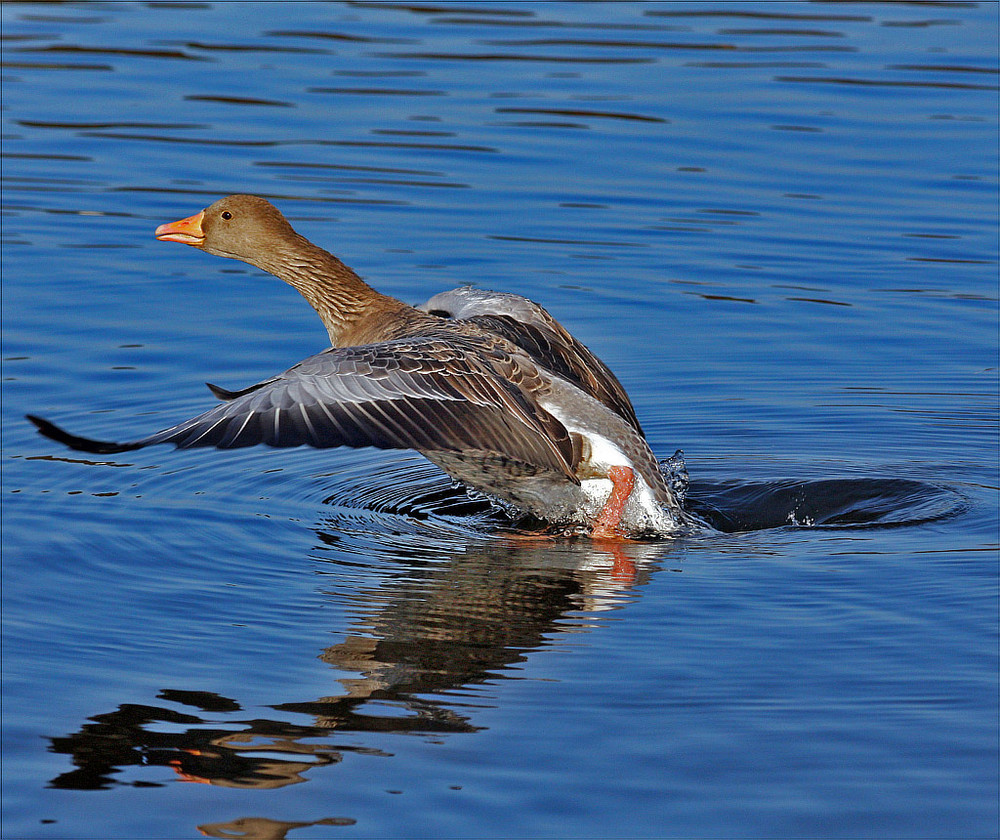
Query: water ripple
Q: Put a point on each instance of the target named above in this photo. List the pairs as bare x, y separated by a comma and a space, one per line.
847, 503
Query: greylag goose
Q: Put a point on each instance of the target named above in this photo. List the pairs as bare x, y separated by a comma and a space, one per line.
488, 386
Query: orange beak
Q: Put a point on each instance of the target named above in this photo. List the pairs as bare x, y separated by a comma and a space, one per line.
186, 230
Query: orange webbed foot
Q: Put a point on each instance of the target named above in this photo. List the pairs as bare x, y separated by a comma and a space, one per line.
606, 524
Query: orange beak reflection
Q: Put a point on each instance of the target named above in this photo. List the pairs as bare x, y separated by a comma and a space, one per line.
186, 230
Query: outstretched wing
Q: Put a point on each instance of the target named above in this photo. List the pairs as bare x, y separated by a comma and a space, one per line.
426, 394
529, 326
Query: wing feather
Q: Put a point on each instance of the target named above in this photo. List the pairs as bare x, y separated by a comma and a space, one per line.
528, 325
430, 394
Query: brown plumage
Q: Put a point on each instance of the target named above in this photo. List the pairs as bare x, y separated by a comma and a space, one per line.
488, 386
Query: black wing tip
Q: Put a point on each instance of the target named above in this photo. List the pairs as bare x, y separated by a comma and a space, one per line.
81, 444
225, 394
221, 393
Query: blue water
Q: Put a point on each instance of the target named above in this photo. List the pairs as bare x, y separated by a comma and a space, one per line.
777, 222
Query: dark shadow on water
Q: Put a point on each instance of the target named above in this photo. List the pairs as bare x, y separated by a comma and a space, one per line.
732, 506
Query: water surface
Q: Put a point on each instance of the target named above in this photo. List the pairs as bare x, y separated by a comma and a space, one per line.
777, 222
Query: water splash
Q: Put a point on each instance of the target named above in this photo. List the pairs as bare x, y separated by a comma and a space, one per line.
411, 496
675, 471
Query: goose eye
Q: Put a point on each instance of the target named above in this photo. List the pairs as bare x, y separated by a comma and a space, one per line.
227, 215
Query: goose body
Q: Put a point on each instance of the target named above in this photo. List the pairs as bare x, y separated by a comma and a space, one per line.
486, 385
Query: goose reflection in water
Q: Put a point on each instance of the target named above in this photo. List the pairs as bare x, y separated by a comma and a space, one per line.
437, 627
262, 828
